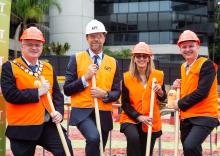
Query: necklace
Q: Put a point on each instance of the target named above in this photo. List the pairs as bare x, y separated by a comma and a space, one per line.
29, 71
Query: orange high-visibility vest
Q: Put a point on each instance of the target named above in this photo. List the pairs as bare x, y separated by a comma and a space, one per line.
104, 80
140, 98
31, 113
189, 83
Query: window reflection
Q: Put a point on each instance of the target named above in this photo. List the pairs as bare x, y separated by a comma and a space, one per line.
155, 22
113, 22
115, 8
165, 6
154, 6
132, 21
123, 7
122, 22
164, 21
131, 38
142, 21
133, 7
154, 37
144, 7
144, 37
164, 37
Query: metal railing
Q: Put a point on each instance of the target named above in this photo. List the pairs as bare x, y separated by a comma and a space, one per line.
167, 111
162, 112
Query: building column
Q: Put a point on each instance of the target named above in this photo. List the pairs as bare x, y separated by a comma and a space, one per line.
69, 25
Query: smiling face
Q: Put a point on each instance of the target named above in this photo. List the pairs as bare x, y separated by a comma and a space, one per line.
141, 60
31, 50
189, 50
96, 42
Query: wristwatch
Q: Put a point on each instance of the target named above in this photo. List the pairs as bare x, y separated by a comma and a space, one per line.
106, 95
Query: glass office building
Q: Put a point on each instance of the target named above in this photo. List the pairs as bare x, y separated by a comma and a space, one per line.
155, 22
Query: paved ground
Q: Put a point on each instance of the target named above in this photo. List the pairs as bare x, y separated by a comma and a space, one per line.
118, 145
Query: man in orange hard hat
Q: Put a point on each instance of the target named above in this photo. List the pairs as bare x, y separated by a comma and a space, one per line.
198, 99
78, 84
30, 119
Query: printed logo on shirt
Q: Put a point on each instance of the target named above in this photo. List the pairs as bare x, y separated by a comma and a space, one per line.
108, 68
94, 28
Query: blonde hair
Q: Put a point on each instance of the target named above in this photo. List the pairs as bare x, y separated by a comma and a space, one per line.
134, 71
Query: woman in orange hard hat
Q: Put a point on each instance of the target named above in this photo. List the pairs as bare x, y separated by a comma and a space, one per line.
31, 121
198, 100
136, 94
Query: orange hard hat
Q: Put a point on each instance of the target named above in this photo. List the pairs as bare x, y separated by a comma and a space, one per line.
188, 35
142, 48
32, 33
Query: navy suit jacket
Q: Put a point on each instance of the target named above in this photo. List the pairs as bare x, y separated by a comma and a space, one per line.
13, 95
73, 85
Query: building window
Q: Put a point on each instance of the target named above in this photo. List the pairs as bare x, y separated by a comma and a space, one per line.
144, 37
113, 22
164, 20
131, 38
118, 38
142, 22
123, 8
133, 7
132, 22
165, 6
164, 37
122, 22
115, 8
153, 21
154, 37
143, 6
154, 6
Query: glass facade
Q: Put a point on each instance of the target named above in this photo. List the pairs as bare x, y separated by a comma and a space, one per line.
155, 22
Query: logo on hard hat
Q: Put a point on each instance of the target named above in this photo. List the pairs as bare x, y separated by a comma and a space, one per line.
95, 27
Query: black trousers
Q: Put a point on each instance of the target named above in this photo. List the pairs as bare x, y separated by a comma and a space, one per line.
89, 130
49, 139
192, 137
137, 139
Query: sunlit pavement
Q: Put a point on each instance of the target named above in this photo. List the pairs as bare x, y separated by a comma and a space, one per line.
118, 142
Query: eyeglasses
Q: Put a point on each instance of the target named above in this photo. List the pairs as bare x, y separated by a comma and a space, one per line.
142, 56
31, 45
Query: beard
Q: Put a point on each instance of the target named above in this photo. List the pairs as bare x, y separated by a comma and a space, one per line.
96, 47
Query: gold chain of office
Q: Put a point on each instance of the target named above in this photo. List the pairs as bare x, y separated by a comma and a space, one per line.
29, 71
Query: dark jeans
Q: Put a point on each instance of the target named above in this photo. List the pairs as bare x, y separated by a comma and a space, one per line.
137, 139
49, 140
89, 130
192, 137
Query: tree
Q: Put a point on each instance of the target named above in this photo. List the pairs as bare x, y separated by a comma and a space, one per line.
31, 12
215, 46
123, 54
56, 48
